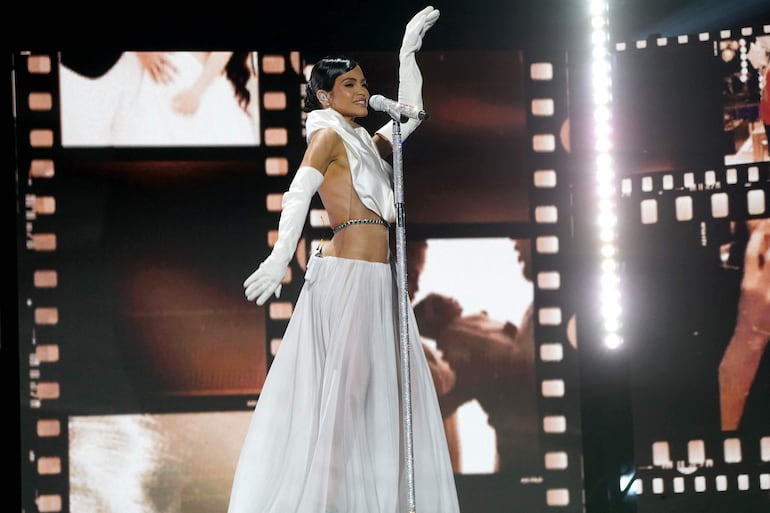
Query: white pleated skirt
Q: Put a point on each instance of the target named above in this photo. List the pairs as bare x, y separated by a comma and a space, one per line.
326, 434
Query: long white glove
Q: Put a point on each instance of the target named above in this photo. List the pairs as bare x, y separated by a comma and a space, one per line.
409, 75
267, 278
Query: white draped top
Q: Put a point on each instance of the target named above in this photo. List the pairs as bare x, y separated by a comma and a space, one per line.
371, 175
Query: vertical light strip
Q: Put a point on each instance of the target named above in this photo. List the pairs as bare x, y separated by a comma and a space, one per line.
743, 53
605, 174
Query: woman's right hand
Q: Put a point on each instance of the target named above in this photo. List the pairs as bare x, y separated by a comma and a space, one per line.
416, 29
265, 281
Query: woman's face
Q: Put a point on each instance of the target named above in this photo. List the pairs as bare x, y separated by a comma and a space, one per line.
350, 94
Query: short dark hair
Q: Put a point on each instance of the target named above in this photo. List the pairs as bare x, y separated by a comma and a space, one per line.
323, 75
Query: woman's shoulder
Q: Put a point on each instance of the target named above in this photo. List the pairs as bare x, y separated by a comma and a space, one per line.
325, 143
325, 136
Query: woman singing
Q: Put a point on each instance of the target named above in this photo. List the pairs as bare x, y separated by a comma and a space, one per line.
326, 433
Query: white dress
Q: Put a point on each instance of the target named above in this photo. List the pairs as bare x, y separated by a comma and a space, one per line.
326, 434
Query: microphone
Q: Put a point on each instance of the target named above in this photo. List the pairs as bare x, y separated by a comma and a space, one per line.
395, 109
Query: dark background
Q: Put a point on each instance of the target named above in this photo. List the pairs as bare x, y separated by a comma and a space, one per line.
485, 24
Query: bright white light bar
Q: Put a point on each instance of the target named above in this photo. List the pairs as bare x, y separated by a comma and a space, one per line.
606, 218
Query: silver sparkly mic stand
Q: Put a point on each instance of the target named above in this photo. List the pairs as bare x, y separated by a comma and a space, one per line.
403, 309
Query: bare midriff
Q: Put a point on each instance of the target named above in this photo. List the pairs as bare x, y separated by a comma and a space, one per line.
358, 241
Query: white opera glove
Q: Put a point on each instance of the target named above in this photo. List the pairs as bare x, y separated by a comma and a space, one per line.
266, 280
409, 75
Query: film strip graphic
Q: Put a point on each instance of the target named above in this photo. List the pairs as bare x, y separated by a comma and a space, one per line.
735, 192
702, 37
724, 467
44, 414
555, 360
731, 463
44, 427
282, 76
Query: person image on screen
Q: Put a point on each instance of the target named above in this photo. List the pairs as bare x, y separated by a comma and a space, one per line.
493, 363
738, 369
93, 84
157, 98
204, 102
326, 434
429, 313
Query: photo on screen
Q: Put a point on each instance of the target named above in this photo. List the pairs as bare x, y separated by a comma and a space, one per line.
151, 260
480, 345
746, 64
159, 98
698, 346
170, 463
667, 109
476, 308
691, 104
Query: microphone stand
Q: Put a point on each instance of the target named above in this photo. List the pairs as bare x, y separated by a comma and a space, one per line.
403, 309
